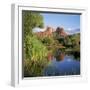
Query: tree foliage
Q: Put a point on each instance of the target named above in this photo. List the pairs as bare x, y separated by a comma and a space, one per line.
30, 21
34, 51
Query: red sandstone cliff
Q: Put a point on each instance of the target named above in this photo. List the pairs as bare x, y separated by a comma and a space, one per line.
61, 31
45, 33
49, 32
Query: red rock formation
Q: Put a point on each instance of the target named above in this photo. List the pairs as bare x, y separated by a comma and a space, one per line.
46, 33
61, 31
49, 32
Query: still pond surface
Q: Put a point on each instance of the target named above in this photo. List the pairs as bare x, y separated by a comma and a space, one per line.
67, 66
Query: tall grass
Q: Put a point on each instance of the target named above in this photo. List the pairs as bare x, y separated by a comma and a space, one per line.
35, 57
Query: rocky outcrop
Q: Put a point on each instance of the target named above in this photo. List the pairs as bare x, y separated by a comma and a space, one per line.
49, 32
60, 31
46, 33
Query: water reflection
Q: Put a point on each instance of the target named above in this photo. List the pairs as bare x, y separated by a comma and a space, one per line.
63, 64
59, 55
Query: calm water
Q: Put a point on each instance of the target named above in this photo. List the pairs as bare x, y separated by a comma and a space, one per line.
68, 66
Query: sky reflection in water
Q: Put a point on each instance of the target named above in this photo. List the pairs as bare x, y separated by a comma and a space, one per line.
68, 66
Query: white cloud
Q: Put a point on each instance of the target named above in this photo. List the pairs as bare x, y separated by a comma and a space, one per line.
38, 29
69, 29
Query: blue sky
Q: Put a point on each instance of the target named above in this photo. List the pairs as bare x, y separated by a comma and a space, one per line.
68, 21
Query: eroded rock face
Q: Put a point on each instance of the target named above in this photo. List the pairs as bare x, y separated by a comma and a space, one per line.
61, 31
46, 33
49, 32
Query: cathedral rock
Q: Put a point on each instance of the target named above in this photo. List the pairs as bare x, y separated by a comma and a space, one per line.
60, 31
49, 32
46, 33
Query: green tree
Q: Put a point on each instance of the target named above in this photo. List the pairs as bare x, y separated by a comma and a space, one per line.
31, 20
47, 41
35, 53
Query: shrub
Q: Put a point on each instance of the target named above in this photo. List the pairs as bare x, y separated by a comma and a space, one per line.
35, 57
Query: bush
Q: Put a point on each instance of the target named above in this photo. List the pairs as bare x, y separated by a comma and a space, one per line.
48, 40
35, 57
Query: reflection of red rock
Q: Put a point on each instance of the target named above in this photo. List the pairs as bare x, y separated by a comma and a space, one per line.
61, 56
61, 31
50, 56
